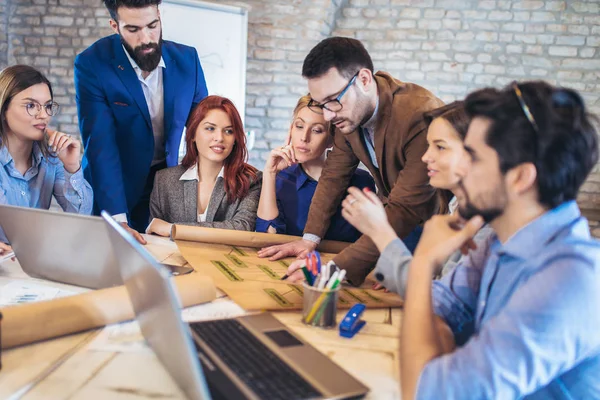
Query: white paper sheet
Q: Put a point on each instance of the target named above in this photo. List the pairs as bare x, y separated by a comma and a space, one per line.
127, 337
24, 291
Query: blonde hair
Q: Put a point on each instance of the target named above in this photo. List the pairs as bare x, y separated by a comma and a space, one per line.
302, 103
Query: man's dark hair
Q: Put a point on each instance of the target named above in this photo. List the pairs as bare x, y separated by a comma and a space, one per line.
347, 55
114, 5
561, 142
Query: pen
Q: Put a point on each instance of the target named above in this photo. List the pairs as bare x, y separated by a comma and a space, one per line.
321, 307
321, 298
307, 275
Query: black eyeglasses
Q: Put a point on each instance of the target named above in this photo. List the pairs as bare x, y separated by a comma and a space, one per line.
525, 107
332, 105
33, 108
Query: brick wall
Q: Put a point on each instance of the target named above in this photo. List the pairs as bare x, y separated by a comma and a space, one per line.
452, 47
48, 34
448, 46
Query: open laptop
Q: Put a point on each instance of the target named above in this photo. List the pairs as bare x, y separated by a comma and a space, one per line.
250, 357
62, 247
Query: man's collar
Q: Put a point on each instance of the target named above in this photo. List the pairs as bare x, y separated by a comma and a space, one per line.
370, 124
192, 173
136, 68
531, 239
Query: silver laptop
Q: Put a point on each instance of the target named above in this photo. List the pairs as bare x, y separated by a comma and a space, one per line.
250, 357
62, 247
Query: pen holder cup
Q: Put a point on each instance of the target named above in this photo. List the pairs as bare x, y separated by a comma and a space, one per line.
320, 306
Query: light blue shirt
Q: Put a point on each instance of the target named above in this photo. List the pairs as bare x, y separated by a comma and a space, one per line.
527, 314
368, 131
44, 179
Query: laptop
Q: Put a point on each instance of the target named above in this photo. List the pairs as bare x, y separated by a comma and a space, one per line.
249, 357
63, 247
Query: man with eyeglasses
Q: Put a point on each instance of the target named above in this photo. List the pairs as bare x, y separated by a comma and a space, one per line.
378, 121
523, 306
134, 95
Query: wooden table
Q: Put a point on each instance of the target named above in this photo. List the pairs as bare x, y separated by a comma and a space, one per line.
65, 368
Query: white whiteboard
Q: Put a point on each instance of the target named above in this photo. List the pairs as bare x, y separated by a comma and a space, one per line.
220, 35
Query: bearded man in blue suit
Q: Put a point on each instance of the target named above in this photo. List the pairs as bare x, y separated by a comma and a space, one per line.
134, 95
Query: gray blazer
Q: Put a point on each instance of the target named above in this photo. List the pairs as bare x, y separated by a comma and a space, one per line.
176, 202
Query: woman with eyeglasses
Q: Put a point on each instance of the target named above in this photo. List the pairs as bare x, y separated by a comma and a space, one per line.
36, 162
291, 175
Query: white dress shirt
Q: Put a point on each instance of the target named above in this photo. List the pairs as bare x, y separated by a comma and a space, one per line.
153, 90
192, 174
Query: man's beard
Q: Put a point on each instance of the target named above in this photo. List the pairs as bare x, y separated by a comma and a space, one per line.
146, 62
361, 107
469, 210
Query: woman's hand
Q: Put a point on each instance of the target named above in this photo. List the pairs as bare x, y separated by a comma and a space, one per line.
280, 159
365, 212
67, 149
159, 227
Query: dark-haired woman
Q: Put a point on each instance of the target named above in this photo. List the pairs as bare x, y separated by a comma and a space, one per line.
214, 186
37, 163
447, 128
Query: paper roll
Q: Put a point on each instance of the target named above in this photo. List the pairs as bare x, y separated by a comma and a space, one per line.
28, 323
244, 238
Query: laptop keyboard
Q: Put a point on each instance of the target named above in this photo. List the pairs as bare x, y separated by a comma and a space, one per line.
257, 366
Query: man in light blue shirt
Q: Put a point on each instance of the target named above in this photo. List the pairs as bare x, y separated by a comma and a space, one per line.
523, 306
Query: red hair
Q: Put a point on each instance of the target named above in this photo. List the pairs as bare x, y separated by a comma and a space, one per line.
238, 174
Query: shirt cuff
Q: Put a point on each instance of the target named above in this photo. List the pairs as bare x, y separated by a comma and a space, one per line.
311, 238
449, 308
262, 225
392, 267
76, 179
147, 231
120, 217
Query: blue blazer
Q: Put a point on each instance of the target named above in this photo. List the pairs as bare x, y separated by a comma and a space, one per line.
114, 120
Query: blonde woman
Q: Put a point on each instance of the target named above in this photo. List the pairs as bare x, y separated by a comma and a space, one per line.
291, 175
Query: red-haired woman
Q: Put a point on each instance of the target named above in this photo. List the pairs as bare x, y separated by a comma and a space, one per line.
213, 186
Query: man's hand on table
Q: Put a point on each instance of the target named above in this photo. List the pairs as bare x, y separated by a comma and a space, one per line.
298, 248
138, 236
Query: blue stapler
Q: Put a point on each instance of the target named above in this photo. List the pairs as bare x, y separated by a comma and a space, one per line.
352, 323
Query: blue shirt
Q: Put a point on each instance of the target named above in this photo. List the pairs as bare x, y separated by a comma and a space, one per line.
44, 179
294, 190
528, 313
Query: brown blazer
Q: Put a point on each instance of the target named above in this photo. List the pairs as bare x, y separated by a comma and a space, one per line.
402, 181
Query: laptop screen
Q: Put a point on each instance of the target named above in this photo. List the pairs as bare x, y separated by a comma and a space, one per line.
156, 307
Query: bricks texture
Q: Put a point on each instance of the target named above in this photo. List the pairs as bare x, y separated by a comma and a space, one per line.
450, 47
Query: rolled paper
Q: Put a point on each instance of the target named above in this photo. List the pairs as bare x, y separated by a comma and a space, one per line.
28, 323
245, 239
